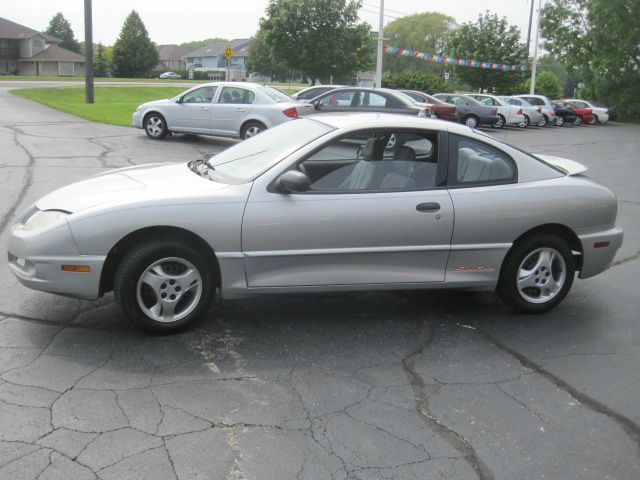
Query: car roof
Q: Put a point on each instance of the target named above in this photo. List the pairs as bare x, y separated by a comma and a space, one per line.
359, 120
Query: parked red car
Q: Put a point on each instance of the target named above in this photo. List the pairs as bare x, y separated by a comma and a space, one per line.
584, 114
438, 108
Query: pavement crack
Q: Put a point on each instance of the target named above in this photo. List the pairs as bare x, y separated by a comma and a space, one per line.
452, 437
627, 259
631, 428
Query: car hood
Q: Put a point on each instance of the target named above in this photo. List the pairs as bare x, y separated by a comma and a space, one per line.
163, 101
137, 183
569, 167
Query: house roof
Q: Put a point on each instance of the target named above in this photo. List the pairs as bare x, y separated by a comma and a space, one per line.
15, 31
55, 53
171, 52
240, 49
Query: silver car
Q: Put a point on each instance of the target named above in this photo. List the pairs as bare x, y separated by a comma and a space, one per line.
331, 202
228, 109
532, 115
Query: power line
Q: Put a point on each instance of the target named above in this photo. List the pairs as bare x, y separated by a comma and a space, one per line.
386, 9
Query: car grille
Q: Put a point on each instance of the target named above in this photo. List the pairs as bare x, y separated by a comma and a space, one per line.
29, 213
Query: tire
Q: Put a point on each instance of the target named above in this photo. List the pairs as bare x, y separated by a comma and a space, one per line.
578, 121
594, 120
542, 122
500, 123
559, 121
537, 274
163, 286
526, 123
251, 129
471, 121
155, 126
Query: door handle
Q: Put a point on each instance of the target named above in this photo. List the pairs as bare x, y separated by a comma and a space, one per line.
428, 207
239, 109
204, 108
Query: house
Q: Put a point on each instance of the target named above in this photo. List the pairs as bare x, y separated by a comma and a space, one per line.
171, 57
211, 59
24, 51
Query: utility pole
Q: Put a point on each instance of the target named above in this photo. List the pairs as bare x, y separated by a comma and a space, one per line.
88, 52
535, 50
529, 30
378, 81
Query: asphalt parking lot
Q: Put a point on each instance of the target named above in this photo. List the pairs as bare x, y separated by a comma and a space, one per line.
410, 385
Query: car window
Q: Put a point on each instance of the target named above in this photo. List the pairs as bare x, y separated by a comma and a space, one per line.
347, 98
374, 161
309, 94
247, 160
275, 94
534, 101
581, 104
414, 96
200, 95
475, 162
236, 95
486, 100
374, 100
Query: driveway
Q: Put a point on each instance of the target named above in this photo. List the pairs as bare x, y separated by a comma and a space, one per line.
411, 385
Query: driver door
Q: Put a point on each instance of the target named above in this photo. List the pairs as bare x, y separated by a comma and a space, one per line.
193, 113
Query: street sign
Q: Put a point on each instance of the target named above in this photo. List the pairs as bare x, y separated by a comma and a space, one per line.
446, 75
228, 52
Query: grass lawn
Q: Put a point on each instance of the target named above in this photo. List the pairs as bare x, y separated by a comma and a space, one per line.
113, 105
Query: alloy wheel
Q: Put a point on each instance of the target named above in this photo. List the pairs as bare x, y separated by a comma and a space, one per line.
541, 275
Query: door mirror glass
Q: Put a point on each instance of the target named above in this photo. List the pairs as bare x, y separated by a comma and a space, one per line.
294, 181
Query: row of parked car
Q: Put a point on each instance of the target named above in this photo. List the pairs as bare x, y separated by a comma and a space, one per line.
241, 109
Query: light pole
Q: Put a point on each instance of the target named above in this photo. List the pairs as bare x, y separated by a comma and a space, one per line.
88, 52
535, 50
378, 81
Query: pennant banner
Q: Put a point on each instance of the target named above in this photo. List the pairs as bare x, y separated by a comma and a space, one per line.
433, 57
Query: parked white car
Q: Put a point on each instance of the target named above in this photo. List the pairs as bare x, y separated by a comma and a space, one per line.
599, 113
545, 105
227, 109
532, 114
171, 75
507, 114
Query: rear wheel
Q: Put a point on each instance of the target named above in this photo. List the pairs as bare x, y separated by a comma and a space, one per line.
526, 123
578, 121
155, 126
559, 121
537, 274
593, 120
162, 286
542, 122
251, 129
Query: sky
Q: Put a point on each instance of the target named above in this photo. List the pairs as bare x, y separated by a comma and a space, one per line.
176, 22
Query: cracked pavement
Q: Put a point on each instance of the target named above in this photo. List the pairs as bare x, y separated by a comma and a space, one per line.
408, 385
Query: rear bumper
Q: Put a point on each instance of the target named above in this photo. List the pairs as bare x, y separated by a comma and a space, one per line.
596, 258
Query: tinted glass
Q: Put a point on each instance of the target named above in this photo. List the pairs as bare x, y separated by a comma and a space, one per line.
236, 95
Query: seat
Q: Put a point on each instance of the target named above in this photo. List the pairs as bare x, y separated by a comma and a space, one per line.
364, 170
226, 98
472, 167
402, 164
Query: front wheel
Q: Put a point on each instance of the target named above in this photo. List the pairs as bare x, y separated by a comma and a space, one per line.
471, 121
578, 121
155, 126
251, 129
537, 274
500, 123
593, 120
526, 122
542, 122
162, 286
559, 121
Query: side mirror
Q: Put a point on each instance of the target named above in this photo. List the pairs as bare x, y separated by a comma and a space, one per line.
180, 99
316, 104
293, 181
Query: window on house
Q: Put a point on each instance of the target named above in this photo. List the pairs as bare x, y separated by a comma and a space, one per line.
37, 43
66, 68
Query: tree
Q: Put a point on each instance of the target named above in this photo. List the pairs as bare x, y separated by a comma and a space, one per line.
421, 81
600, 39
321, 38
261, 60
196, 44
134, 55
422, 32
60, 28
546, 84
489, 39
100, 64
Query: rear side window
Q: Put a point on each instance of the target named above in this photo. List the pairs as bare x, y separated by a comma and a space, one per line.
236, 95
475, 163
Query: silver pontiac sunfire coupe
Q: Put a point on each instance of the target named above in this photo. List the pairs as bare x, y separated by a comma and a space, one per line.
357, 201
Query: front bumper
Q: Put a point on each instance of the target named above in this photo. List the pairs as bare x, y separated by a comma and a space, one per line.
36, 260
136, 119
596, 258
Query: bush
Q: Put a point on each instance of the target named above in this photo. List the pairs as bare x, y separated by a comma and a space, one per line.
546, 84
423, 82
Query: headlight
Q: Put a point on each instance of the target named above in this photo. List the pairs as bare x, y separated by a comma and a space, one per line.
46, 219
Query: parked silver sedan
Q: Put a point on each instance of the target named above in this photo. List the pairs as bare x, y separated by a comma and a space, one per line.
229, 109
532, 114
331, 202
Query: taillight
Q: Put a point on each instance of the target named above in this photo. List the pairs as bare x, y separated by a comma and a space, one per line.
539, 110
291, 112
519, 112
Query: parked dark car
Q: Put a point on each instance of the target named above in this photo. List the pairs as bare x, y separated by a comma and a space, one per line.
312, 92
354, 99
438, 108
470, 112
565, 114
584, 115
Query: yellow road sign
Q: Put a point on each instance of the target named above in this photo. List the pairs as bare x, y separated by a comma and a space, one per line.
228, 52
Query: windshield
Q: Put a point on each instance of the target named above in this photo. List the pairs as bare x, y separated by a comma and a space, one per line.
247, 160
276, 95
